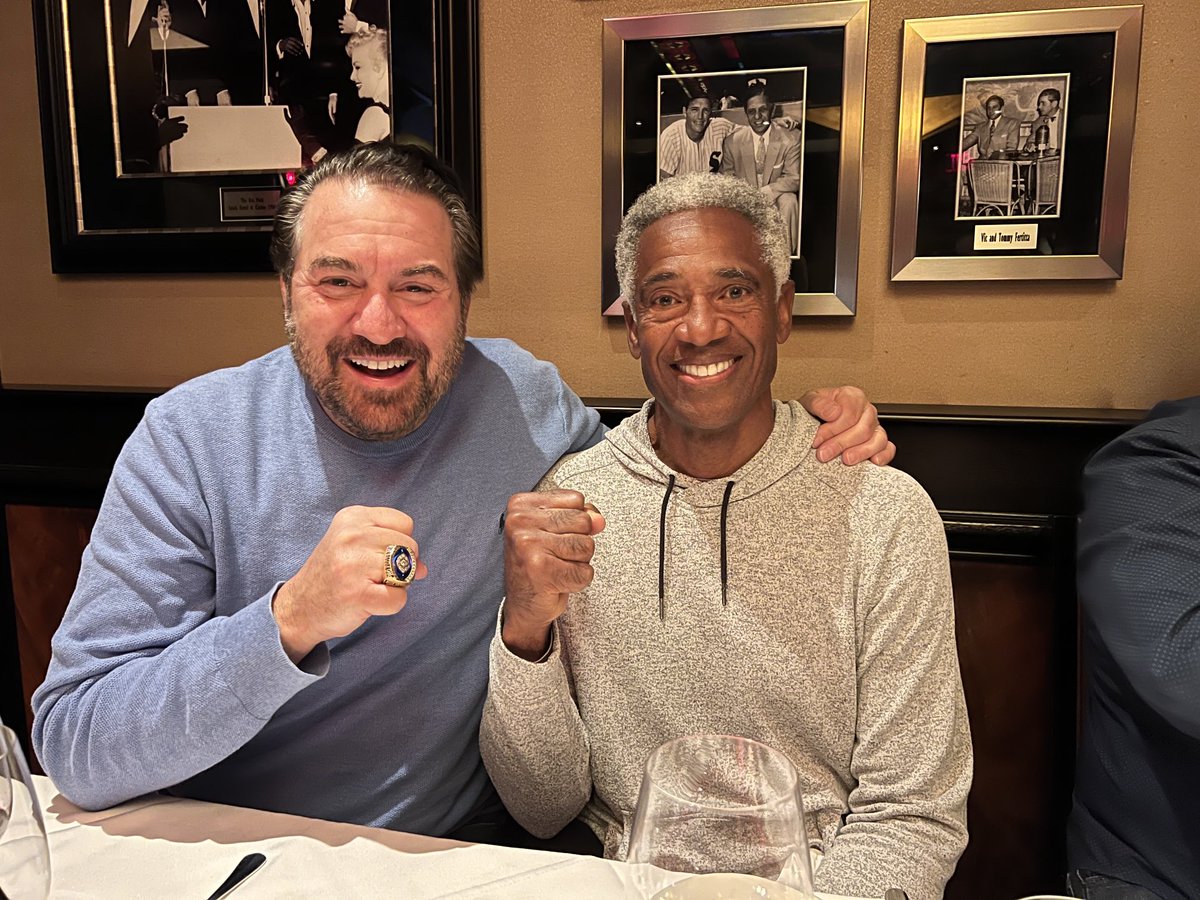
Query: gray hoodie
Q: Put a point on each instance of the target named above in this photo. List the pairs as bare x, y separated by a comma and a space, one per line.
802, 604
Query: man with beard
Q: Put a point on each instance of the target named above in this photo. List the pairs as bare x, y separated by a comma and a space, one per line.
244, 629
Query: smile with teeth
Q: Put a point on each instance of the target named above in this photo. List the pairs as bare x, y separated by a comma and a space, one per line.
382, 366
705, 371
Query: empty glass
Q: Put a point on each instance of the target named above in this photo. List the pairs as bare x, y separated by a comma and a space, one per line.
727, 809
24, 854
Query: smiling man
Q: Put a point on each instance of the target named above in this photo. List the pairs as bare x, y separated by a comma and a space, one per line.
699, 571
693, 143
767, 156
242, 630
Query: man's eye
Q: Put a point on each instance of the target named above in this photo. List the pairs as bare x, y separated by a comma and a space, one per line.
337, 282
736, 292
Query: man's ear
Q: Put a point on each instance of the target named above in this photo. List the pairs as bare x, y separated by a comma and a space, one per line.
783, 311
631, 335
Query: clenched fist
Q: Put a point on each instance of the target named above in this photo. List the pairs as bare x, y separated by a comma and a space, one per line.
548, 551
340, 585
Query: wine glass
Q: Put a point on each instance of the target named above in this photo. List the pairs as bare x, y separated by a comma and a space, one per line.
726, 809
24, 853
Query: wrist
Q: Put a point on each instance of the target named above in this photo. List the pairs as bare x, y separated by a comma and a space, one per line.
291, 636
527, 639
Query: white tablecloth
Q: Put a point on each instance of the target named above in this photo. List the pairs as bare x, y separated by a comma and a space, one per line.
162, 846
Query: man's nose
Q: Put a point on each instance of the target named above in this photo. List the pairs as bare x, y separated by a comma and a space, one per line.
702, 323
379, 320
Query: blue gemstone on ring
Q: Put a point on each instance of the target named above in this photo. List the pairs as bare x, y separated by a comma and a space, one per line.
402, 562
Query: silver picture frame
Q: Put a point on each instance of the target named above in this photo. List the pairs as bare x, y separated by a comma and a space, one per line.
1098, 52
766, 39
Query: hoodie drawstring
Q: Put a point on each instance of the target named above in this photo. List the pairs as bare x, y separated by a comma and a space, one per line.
724, 563
662, 545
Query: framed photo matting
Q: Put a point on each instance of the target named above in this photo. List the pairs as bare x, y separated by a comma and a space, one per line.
690, 93
170, 128
1016, 134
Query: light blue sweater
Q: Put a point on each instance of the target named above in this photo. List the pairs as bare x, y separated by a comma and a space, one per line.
167, 669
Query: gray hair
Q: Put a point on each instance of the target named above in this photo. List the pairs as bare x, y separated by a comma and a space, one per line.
404, 168
699, 190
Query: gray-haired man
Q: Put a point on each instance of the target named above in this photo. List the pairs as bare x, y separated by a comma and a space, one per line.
699, 571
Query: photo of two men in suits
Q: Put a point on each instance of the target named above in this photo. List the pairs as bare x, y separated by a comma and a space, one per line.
748, 124
1012, 146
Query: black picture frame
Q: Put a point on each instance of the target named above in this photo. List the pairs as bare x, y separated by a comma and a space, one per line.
827, 41
172, 223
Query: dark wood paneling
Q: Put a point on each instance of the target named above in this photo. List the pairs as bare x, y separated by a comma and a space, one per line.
1017, 658
45, 545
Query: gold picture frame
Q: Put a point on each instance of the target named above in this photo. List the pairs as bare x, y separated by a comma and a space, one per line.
814, 55
1052, 185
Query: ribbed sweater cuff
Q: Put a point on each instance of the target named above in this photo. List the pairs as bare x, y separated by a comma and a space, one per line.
513, 675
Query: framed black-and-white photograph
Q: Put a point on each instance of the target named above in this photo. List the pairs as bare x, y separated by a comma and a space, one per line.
774, 96
1011, 153
172, 127
732, 123
1016, 135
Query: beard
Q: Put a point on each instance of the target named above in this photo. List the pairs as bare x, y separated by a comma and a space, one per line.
384, 414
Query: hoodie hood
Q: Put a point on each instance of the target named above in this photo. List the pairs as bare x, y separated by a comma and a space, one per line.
788, 446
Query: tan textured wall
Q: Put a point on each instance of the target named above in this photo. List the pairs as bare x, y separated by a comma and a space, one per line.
1034, 344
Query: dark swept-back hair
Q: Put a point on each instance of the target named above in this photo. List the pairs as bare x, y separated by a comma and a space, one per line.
1053, 93
405, 168
759, 90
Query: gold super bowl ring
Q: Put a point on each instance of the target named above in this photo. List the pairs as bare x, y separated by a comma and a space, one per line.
399, 568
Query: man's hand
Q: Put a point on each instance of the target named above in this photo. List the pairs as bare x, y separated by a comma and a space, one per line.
162, 21
348, 23
548, 551
340, 585
290, 46
850, 427
170, 129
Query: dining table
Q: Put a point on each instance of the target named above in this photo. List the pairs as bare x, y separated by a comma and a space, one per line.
162, 845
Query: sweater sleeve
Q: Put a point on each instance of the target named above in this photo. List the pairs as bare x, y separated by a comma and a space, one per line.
581, 424
906, 822
148, 685
1139, 559
532, 739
